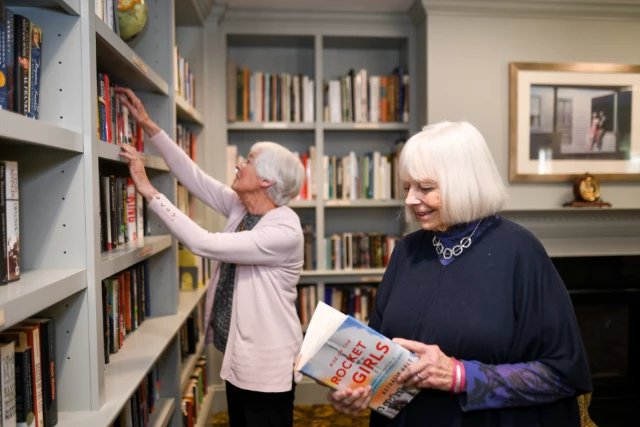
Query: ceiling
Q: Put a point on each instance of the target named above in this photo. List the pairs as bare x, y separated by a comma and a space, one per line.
325, 5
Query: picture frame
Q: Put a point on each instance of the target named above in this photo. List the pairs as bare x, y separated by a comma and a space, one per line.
568, 119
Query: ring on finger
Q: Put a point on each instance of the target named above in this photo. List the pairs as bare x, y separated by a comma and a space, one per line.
418, 375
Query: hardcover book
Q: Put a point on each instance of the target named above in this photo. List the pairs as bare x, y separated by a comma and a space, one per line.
341, 352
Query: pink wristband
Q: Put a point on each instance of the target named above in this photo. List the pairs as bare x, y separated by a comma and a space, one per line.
463, 379
455, 376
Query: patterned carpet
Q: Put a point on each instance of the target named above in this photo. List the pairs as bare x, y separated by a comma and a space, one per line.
312, 416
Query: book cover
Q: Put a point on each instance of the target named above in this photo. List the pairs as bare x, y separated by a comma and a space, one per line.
25, 416
341, 352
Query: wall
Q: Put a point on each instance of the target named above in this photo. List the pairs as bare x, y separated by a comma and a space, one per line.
467, 79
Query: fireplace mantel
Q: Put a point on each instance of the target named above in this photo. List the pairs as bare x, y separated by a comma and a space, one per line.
582, 232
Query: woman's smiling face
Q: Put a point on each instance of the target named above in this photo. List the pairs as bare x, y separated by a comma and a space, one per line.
424, 200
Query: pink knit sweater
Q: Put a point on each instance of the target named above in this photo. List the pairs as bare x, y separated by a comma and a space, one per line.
265, 333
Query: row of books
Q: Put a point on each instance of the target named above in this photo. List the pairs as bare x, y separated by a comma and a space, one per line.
194, 395
184, 80
360, 97
115, 124
355, 301
126, 302
20, 63
123, 212
190, 332
352, 251
9, 222
268, 97
368, 176
107, 11
28, 374
141, 404
186, 140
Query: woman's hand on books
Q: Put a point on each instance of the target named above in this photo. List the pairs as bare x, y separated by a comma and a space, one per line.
350, 402
434, 369
137, 172
137, 111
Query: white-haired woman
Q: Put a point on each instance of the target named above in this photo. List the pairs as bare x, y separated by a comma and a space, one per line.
476, 297
250, 308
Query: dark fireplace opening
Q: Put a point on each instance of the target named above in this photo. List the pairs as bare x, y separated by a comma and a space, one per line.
605, 292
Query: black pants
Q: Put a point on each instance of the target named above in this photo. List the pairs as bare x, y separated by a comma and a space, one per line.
256, 409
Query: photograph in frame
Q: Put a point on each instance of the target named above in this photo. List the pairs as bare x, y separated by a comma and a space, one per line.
567, 119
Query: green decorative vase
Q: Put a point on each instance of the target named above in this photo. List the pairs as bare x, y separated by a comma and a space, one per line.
132, 17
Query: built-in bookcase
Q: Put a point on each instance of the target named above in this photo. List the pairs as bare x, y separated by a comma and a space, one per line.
322, 47
61, 157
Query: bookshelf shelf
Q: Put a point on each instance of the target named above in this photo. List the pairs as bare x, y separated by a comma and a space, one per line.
127, 368
129, 254
364, 203
190, 363
279, 126
118, 60
162, 415
186, 112
37, 290
72, 7
302, 204
371, 275
366, 126
19, 128
206, 408
112, 152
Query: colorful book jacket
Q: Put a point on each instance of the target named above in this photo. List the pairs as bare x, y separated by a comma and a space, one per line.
341, 352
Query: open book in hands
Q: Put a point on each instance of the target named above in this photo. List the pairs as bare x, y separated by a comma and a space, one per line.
341, 352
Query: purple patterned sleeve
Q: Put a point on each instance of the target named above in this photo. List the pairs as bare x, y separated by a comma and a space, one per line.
510, 385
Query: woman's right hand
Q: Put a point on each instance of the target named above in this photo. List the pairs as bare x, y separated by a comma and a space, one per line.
351, 402
137, 111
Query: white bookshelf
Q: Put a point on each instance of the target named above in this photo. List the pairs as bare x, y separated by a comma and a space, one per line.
61, 157
322, 46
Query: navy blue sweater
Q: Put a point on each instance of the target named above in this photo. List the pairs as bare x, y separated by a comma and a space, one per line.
498, 305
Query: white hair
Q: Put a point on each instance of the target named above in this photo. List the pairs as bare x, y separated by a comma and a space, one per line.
455, 156
277, 164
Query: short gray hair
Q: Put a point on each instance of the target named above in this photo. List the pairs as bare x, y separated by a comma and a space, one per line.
456, 157
277, 164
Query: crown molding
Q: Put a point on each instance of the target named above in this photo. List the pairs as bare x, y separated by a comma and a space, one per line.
563, 9
311, 17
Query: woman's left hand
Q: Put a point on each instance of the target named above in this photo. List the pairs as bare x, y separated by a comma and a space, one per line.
434, 369
138, 173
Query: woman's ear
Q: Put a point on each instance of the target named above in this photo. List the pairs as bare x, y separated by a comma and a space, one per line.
265, 183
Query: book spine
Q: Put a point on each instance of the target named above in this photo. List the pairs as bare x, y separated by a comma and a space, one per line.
4, 261
48, 346
12, 221
22, 69
10, 60
7, 369
24, 390
36, 59
105, 320
4, 102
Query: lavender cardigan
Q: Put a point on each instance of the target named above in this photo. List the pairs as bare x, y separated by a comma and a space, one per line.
265, 333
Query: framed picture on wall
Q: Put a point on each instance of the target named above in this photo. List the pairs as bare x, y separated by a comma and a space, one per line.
568, 119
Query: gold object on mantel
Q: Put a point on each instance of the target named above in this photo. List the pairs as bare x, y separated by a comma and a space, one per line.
586, 192
584, 400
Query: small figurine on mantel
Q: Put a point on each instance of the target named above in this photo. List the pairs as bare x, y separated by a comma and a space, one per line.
586, 190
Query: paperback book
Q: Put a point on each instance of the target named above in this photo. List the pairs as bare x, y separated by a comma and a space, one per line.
341, 352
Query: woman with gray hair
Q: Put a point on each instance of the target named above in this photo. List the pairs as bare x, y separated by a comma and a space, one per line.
476, 297
250, 309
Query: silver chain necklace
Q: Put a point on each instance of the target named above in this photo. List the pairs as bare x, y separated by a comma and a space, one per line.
447, 253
